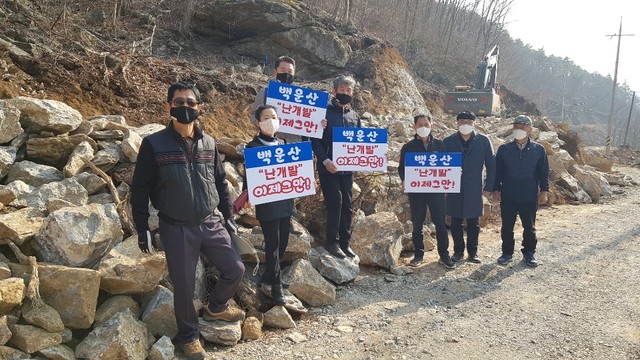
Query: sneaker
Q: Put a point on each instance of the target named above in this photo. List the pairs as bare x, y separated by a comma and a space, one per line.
504, 259
229, 314
194, 350
457, 257
529, 259
417, 260
474, 258
446, 262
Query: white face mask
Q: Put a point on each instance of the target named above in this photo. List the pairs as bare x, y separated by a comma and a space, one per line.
423, 132
270, 127
519, 134
465, 129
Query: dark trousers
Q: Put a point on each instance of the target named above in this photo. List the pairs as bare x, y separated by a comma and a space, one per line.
182, 247
276, 238
336, 190
418, 204
527, 211
457, 233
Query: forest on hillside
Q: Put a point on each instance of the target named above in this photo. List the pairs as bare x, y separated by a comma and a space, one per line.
444, 40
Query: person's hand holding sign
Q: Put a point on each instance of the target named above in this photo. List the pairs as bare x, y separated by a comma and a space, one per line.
331, 167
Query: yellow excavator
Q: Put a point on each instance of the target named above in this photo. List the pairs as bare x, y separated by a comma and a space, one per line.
482, 99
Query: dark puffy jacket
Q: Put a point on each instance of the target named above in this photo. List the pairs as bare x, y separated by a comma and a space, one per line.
417, 146
186, 189
521, 173
273, 210
336, 117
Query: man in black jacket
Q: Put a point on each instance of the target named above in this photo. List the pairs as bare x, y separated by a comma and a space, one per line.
179, 169
424, 141
337, 185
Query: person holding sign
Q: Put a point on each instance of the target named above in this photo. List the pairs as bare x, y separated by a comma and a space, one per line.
179, 169
274, 217
284, 71
424, 142
477, 153
522, 183
337, 185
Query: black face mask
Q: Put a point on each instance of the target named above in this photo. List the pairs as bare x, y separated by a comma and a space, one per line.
284, 78
184, 114
343, 99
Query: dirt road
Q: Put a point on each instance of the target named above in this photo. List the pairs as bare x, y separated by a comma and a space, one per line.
582, 302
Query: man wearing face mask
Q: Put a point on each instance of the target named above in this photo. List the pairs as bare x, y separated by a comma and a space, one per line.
422, 142
337, 185
522, 183
477, 153
179, 169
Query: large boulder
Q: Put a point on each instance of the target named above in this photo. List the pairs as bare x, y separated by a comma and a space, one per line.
121, 337
159, 314
42, 315
5, 332
12, 291
34, 174
591, 181
337, 270
31, 339
7, 158
571, 184
9, 124
308, 285
597, 159
221, 332
163, 349
38, 115
72, 292
114, 305
75, 164
377, 239
79, 236
253, 28
58, 352
131, 144
127, 270
55, 151
20, 226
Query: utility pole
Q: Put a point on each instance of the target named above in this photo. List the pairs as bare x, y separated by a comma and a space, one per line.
615, 84
633, 97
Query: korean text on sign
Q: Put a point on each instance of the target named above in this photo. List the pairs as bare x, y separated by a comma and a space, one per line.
360, 149
279, 172
432, 172
301, 110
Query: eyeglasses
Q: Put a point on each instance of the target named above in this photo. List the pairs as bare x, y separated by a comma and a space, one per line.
182, 101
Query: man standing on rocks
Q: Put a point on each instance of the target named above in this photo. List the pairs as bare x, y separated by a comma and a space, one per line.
179, 169
477, 152
422, 142
337, 185
522, 183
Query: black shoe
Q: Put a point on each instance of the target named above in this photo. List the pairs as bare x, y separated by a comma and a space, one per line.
347, 250
474, 258
277, 295
504, 259
529, 259
335, 250
416, 261
446, 262
457, 257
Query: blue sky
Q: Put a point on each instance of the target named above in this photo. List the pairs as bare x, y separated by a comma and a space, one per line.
577, 28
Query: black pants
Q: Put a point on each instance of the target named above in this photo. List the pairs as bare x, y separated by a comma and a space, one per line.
276, 238
182, 247
527, 211
457, 233
436, 204
336, 190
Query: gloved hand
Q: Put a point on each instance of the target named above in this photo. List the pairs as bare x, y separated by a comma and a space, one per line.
147, 242
231, 226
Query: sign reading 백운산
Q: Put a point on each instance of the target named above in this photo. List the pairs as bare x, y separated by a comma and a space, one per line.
300, 109
360, 149
279, 172
432, 172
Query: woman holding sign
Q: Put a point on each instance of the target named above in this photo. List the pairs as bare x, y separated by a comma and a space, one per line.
274, 217
424, 142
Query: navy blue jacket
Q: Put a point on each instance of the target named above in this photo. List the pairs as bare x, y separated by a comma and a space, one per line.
468, 203
185, 185
520, 174
417, 146
336, 117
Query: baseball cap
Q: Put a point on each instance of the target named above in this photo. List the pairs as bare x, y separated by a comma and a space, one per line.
522, 120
